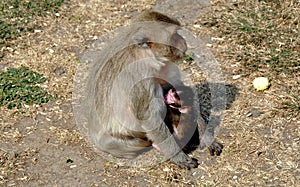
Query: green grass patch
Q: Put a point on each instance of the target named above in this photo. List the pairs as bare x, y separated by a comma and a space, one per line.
189, 57
18, 16
19, 86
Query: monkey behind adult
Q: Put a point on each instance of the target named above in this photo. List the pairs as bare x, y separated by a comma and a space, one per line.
181, 118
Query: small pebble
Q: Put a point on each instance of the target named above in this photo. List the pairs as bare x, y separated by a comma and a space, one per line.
234, 77
59, 71
73, 166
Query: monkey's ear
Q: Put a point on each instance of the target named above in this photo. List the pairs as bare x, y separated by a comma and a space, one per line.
141, 39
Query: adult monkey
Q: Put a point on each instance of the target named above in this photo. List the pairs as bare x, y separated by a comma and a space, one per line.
125, 96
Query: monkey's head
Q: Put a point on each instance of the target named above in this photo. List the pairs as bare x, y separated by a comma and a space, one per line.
181, 99
158, 33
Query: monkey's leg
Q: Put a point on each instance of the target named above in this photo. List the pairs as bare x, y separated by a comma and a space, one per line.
123, 148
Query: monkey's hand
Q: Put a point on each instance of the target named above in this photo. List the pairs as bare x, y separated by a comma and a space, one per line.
184, 161
215, 147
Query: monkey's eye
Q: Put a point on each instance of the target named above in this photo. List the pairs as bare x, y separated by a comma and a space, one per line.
145, 43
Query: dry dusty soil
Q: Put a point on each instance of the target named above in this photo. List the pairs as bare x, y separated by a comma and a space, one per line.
43, 147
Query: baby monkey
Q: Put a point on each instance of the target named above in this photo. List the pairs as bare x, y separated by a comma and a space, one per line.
180, 117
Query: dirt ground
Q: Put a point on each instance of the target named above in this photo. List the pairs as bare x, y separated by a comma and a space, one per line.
43, 146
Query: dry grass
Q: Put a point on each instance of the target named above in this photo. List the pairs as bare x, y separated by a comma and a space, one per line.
260, 38
260, 130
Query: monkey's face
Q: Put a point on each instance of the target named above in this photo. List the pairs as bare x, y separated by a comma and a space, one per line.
173, 49
163, 40
168, 53
179, 44
172, 98
181, 100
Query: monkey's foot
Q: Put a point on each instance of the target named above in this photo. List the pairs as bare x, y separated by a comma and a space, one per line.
184, 161
215, 148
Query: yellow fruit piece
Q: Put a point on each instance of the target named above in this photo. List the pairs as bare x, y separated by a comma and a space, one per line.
261, 83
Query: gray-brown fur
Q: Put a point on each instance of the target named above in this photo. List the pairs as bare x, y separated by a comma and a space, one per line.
139, 41
109, 125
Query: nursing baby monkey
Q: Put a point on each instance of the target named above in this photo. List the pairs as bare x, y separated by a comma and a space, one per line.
183, 118
125, 131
